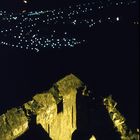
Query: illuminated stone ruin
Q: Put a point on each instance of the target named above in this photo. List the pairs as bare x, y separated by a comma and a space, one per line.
55, 110
118, 120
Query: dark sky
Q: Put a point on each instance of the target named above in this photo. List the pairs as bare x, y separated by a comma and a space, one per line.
36, 3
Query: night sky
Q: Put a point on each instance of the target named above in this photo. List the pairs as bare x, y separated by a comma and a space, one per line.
98, 45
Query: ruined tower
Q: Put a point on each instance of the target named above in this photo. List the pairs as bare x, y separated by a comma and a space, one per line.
55, 110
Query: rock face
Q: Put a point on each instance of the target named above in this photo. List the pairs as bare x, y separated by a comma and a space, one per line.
119, 120
55, 110
13, 124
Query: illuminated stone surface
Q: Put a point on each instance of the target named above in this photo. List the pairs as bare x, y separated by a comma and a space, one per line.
92, 138
118, 120
57, 108
12, 124
55, 111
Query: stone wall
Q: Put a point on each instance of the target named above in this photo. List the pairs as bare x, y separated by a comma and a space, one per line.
55, 110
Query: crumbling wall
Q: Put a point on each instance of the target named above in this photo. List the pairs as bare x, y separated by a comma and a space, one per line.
60, 123
58, 117
12, 124
118, 120
55, 111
